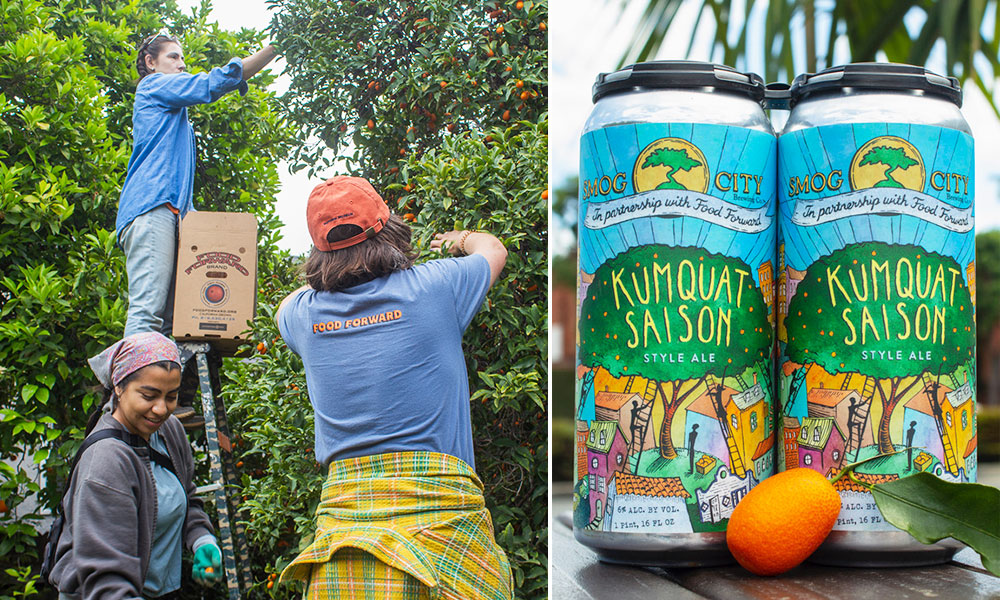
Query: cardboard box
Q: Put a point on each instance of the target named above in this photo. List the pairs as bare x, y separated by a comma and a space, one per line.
216, 286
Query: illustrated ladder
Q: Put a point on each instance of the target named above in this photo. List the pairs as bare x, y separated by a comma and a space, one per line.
635, 444
232, 537
739, 377
856, 427
735, 460
649, 394
931, 388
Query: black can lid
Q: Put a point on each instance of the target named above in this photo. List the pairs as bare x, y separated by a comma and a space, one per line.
876, 76
672, 74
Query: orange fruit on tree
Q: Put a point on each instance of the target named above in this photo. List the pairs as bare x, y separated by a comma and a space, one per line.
782, 521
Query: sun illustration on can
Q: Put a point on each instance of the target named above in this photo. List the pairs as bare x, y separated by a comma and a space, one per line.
671, 164
887, 162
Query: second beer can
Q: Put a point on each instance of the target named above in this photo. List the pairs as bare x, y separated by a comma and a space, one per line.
676, 311
876, 294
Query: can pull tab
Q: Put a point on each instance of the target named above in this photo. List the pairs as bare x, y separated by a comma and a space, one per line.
777, 96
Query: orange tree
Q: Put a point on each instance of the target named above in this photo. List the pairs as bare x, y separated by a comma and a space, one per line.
441, 104
66, 87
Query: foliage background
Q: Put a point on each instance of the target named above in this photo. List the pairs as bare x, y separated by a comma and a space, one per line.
467, 154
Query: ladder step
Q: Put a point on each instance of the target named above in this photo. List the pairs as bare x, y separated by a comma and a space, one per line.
201, 490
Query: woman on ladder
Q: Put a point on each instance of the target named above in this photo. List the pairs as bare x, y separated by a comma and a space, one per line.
159, 185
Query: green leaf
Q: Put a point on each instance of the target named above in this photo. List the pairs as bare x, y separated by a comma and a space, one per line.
28, 391
932, 509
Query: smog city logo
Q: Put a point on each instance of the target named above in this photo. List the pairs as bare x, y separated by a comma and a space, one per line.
887, 162
671, 164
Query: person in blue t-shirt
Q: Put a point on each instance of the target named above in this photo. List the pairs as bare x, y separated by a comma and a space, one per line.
381, 342
158, 186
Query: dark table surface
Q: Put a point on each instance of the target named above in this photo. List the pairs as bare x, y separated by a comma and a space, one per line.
576, 574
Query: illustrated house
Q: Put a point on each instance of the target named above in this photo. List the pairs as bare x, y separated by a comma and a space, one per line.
944, 423
745, 417
747, 414
763, 458
970, 274
606, 448
790, 433
718, 501
765, 274
582, 430
821, 444
831, 403
970, 458
959, 419
793, 278
782, 294
646, 504
616, 406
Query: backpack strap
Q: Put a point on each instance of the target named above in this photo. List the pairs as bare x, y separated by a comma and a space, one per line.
132, 440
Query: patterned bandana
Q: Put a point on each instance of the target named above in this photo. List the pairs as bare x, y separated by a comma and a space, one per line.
127, 356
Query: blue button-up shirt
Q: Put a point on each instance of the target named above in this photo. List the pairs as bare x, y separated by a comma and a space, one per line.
161, 170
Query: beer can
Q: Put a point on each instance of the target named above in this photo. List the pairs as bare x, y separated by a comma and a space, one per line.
876, 295
675, 310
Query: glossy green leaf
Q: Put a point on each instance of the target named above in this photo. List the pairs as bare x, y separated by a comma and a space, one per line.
932, 509
28, 391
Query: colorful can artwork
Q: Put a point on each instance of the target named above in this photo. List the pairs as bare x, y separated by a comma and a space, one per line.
876, 295
675, 310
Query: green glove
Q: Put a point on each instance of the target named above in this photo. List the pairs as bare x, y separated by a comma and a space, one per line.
207, 567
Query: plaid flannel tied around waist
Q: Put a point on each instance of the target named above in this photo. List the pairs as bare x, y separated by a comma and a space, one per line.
419, 512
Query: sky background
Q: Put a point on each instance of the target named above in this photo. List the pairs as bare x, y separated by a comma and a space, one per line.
587, 37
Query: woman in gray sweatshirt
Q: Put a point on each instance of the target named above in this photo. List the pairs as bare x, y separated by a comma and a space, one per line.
127, 516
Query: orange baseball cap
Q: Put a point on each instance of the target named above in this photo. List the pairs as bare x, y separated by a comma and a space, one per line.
344, 200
